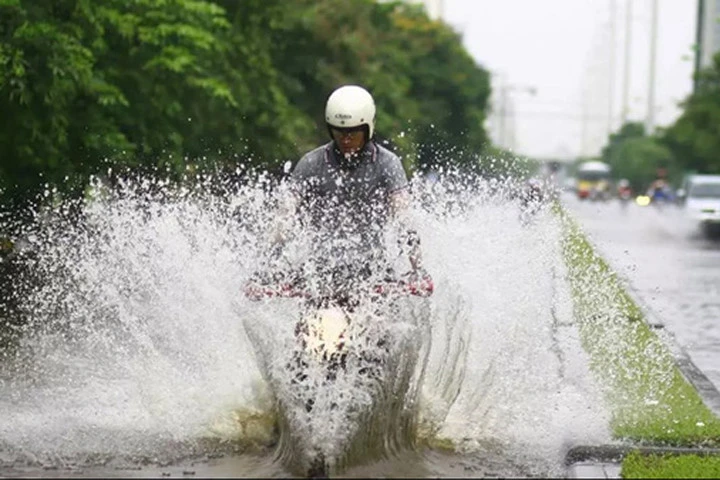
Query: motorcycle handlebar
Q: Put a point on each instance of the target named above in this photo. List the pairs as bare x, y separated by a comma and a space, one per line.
421, 287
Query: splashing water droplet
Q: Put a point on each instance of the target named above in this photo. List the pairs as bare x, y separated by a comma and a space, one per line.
140, 334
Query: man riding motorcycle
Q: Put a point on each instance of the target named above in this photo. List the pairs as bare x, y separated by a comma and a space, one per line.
345, 194
347, 191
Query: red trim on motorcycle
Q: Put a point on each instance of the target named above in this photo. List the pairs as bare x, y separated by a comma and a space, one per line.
422, 287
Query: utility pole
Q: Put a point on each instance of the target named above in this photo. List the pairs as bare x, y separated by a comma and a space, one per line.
505, 110
611, 76
626, 67
503, 113
511, 143
699, 33
650, 120
585, 115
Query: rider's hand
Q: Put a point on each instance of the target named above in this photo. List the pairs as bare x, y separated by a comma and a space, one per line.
426, 282
265, 283
253, 292
256, 286
420, 282
253, 288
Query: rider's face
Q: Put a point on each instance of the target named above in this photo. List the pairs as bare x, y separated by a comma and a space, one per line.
349, 140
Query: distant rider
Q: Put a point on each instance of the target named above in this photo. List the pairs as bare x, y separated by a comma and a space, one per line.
659, 191
348, 190
624, 190
532, 199
532, 194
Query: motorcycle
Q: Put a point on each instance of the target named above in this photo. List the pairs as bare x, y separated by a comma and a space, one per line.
532, 202
348, 377
624, 195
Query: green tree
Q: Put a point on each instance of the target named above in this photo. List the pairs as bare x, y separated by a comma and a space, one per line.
451, 90
175, 84
635, 156
276, 126
640, 159
47, 79
87, 81
168, 60
615, 140
431, 95
694, 138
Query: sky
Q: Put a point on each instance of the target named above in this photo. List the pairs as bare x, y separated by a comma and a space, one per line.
554, 57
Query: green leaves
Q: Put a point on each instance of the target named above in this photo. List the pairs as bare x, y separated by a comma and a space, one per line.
635, 156
174, 82
431, 96
694, 138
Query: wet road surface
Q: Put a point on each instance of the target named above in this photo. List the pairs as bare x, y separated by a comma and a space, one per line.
671, 268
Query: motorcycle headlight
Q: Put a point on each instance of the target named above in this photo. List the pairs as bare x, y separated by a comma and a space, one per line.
643, 200
326, 328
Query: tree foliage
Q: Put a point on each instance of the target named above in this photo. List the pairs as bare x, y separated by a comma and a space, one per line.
88, 82
432, 96
185, 84
694, 138
635, 156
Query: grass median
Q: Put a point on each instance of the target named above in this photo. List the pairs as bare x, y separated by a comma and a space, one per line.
650, 400
636, 465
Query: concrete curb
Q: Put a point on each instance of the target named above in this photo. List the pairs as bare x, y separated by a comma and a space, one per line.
615, 453
605, 461
594, 470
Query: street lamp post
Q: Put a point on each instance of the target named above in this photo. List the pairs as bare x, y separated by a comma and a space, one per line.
626, 69
650, 120
611, 75
504, 89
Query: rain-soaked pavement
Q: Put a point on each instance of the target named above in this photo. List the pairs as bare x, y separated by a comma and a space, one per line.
672, 269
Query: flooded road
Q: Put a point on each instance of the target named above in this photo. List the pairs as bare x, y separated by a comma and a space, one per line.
670, 266
429, 464
138, 359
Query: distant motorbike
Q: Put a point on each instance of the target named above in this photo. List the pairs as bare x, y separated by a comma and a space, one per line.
660, 197
337, 351
532, 200
624, 194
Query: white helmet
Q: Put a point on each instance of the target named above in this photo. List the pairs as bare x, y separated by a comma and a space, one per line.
351, 106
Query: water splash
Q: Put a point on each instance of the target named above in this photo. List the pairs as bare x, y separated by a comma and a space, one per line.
138, 335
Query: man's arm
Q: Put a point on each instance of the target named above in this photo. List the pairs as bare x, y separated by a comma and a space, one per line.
289, 198
284, 221
399, 200
410, 242
408, 237
272, 268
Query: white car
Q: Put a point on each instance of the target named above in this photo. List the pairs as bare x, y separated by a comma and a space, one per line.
701, 202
